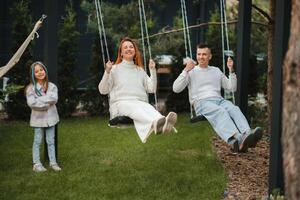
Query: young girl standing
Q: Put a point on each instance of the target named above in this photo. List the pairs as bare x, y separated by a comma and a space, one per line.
41, 97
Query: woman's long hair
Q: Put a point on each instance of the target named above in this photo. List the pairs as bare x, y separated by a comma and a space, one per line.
33, 79
137, 57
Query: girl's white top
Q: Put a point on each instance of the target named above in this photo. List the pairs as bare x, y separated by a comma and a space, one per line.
43, 109
204, 83
126, 81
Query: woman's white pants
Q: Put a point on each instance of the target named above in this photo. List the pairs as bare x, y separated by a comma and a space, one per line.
142, 113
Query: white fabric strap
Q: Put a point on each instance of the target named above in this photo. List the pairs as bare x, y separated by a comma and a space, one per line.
16, 57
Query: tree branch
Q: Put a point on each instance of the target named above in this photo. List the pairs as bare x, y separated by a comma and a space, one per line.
263, 13
200, 25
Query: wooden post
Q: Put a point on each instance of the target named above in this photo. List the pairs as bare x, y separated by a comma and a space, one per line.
282, 29
50, 50
243, 46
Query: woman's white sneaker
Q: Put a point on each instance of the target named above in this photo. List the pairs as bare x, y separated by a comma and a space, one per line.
158, 125
171, 120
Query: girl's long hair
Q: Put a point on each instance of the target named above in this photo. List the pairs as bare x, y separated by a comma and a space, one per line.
33, 79
137, 57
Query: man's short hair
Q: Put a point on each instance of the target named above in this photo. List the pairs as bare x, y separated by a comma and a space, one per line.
202, 46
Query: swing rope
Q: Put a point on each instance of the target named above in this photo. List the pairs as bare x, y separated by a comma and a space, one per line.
103, 29
222, 33
186, 31
143, 24
224, 26
187, 40
142, 34
146, 30
102, 33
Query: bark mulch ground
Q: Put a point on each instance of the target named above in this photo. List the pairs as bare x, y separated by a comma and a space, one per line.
247, 172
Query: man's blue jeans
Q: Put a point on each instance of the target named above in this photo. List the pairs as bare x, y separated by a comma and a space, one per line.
226, 118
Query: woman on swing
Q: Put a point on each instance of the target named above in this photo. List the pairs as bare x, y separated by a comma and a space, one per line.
127, 84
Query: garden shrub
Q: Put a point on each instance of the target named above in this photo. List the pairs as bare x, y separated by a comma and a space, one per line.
67, 49
21, 26
93, 102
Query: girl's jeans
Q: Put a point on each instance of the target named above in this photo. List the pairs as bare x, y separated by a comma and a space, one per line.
38, 135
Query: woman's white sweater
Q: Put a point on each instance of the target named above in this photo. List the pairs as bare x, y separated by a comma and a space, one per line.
126, 81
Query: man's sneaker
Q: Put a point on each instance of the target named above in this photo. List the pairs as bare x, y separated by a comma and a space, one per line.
257, 132
39, 168
235, 146
171, 120
158, 125
55, 167
246, 141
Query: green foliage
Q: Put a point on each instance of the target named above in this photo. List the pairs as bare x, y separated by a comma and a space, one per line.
170, 44
261, 83
214, 40
259, 33
21, 26
10, 89
277, 195
123, 20
99, 162
67, 48
93, 102
259, 39
174, 45
177, 102
257, 110
119, 20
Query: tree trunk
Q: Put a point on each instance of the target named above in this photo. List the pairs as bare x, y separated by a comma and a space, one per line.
270, 65
291, 108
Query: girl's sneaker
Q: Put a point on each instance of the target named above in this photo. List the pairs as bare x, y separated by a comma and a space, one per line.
39, 168
55, 167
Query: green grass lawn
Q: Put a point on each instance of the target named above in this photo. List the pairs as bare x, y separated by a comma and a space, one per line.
99, 162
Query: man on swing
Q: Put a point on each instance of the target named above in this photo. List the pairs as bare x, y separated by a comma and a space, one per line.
205, 83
